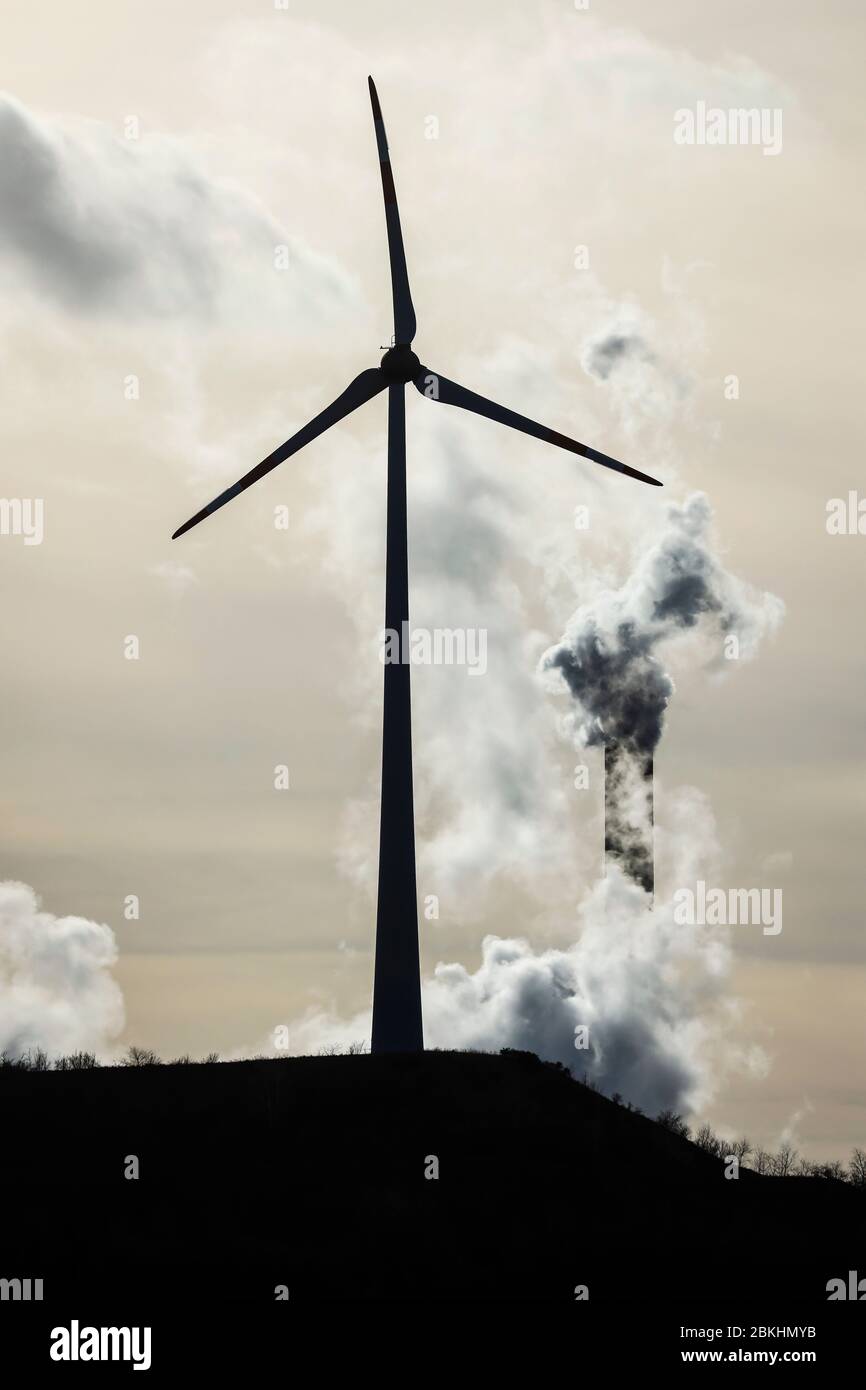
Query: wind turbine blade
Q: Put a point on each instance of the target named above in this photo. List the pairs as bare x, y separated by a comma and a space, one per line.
362, 389
404, 313
439, 388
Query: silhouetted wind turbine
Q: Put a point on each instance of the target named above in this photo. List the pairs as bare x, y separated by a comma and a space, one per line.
397, 1025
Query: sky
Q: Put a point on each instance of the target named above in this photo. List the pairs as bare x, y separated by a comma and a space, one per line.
193, 263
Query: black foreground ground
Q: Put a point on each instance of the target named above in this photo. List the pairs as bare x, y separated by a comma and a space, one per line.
310, 1173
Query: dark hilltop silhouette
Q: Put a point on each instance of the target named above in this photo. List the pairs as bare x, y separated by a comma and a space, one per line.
315, 1175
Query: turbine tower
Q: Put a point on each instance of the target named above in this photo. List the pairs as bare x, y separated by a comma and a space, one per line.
397, 1023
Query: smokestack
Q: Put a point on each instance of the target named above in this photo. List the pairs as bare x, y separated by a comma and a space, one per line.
628, 811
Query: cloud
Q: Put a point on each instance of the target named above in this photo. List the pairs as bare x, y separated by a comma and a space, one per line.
115, 226
56, 987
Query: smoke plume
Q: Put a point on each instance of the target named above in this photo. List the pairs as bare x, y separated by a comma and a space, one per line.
654, 995
610, 655
610, 659
629, 813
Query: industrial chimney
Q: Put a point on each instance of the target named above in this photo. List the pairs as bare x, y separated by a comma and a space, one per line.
628, 811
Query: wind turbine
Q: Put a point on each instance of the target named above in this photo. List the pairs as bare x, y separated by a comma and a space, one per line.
397, 1025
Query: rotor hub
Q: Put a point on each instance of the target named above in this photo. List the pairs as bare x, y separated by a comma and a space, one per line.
400, 364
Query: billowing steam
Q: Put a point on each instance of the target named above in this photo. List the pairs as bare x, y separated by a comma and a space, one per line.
610, 655
611, 661
654, 995
638, 1005
56, 988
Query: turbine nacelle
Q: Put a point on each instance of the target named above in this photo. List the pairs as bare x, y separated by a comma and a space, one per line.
400, 364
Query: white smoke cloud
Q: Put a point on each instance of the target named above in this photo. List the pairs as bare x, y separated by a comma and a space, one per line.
655, 995
137, 227
56, 987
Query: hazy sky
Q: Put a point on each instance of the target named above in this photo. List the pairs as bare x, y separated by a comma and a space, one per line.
152, 157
